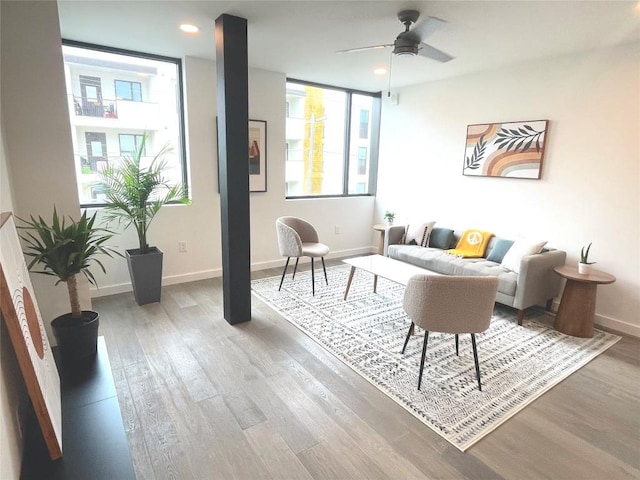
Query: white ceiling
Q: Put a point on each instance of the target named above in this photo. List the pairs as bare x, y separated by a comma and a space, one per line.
300, 38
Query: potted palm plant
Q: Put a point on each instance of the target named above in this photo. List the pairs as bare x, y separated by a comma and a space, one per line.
134, 195
64, 250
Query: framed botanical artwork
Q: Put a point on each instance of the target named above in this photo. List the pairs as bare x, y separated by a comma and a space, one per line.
512, 150
257, 152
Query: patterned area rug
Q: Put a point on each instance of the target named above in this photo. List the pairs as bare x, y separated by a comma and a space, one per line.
366, 332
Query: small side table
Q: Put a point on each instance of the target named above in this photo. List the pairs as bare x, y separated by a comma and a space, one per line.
577, 309
380, 227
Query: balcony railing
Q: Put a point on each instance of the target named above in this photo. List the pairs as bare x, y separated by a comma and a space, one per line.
103, 108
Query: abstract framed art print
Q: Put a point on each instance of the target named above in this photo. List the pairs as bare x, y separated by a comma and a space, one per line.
512, 150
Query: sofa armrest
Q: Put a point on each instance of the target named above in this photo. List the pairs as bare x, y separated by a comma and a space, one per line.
393, 235
537, 282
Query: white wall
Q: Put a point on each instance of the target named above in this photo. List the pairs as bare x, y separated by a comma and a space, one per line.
35, 118
199, 223
589, 191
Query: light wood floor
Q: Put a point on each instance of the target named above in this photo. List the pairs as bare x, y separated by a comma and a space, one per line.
203, 399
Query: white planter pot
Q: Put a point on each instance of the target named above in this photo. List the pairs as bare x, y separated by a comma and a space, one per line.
584, 268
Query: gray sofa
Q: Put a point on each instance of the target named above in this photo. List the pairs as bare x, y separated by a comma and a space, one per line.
534, 284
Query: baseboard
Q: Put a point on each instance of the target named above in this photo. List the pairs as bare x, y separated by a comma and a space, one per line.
104, 291
610, 324
618, 326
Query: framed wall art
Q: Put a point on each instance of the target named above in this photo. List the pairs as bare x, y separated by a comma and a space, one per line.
257, 156
511, 150
257, 152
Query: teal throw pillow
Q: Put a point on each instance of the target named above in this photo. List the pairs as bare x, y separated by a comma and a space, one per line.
499, 250
441, 238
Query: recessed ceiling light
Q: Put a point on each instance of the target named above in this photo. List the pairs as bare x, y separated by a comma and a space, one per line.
188, 28
380, 71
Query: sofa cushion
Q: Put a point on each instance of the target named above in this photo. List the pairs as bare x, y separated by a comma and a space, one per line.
519, 249
438, 261
472, 244
441, 238
418, 233
500, 248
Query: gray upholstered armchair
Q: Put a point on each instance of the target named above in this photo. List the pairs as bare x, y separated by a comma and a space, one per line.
298, 238
449, 304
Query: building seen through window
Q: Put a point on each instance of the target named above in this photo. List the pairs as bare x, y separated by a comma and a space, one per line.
331, 141
114, 97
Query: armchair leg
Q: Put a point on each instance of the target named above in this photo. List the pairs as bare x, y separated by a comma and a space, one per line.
475, 358
424, 353
283, 272
457, 351
295, 267
520, 316
313, 279
406, 340
325, 271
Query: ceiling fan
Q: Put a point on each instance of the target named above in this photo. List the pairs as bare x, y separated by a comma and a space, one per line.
411, 41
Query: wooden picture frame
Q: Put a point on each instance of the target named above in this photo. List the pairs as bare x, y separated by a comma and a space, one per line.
511, 150
28, 337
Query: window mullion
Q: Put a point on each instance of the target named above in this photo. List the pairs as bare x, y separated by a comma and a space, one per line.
347, 144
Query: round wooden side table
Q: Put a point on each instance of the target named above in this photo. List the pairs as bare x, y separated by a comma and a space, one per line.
381, 227
577, 309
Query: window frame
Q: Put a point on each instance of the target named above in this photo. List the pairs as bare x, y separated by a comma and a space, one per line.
131, 84
374, 140
180, 99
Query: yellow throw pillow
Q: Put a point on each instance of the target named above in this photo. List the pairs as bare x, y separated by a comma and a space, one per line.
472, 244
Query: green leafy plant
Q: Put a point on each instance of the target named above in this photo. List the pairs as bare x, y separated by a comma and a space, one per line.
136, 193
389, 216
66, 249
584, 255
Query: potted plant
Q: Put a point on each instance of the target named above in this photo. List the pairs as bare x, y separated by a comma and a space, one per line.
64, 250
584, 266
134, 195
389, 216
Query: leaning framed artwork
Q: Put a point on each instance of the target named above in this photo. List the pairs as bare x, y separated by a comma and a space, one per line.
511, 150
26, 331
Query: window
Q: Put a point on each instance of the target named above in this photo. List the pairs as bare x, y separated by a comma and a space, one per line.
128, 90
129, 144
364, 123
362, 160
327, 152
115, 97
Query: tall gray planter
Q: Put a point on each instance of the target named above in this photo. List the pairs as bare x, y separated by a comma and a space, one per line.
146, 274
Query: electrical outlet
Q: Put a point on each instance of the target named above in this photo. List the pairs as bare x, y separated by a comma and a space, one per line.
182, 246
336, 230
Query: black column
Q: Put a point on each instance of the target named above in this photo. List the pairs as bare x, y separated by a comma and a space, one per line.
233, 152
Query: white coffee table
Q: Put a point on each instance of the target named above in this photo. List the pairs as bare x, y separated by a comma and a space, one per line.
394, 270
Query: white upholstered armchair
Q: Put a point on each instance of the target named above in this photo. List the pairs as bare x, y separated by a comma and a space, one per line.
298, 238
449, 304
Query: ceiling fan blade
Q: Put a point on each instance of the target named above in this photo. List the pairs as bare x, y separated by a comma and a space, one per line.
426, 28
360, 49
433, 53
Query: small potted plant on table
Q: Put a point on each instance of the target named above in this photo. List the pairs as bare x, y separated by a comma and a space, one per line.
584, 266
64, 250
389, 216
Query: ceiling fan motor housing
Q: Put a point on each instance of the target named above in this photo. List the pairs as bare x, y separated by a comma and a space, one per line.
404, 46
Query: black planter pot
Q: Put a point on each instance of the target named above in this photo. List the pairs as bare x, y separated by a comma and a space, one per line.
145, 270
77, 338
